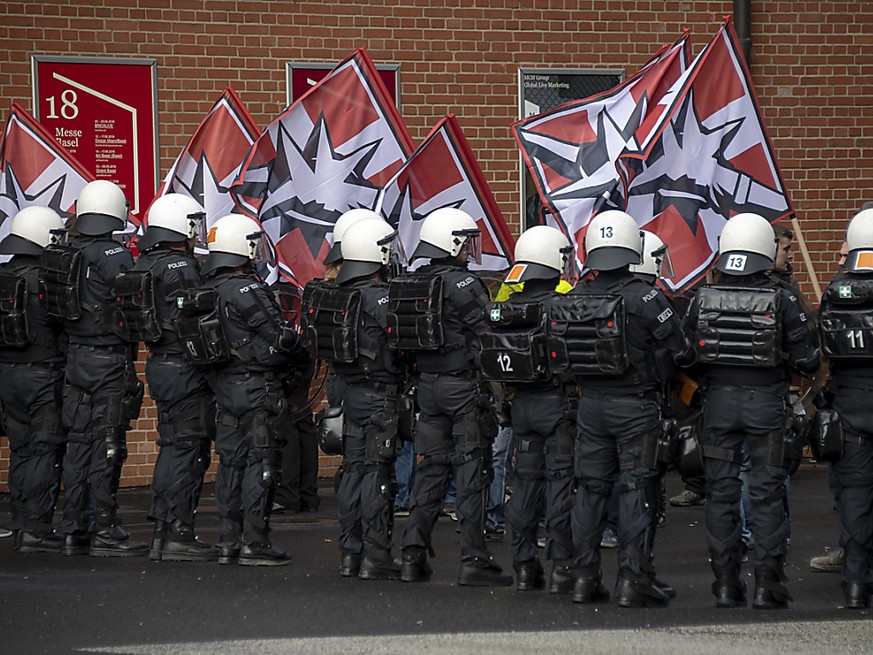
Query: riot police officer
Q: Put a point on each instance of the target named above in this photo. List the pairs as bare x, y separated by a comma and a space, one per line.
544, 405
848, 342
436, 313
31, 382
347, 326
102, 394
619, 332
247, 382
749, 332
186, 412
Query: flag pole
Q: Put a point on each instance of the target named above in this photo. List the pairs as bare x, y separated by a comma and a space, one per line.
795, 224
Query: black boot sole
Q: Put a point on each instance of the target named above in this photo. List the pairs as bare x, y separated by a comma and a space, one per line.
111, 552
262, 562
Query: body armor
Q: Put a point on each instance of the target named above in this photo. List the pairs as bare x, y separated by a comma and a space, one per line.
199, 327
587, 334
415, 312
13, 310
330, 322
59, 273
739, 326
135, 313
515, 350
847, 319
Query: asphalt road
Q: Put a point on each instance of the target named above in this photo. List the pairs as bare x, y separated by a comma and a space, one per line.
54, 604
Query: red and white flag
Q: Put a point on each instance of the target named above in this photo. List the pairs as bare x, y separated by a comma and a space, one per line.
443, 172
330, 151
572, 150
707, 158
36, 170
212, 159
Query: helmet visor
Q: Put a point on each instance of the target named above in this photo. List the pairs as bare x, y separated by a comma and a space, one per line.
473, 243
198, 229
261, 250
391, 249
663, 263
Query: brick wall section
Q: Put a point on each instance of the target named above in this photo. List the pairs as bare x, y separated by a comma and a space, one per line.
812, 66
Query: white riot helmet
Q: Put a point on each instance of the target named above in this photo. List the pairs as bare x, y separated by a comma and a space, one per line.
444, 233
236, 240
101, 208
859, 241
612, 241
173, 217
366, 248
343, 223
656, 258
541, 253
30, 231
747, 245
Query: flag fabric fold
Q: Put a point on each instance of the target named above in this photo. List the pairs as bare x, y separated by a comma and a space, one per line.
36, 170
211, 160
443, 172
330, 151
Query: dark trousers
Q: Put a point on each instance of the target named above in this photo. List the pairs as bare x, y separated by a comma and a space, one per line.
367, 486
447, 438
186, 426
299, 486
732, 415
853, 478
94, 415
250, 421
611, 431
544, 425
31, 399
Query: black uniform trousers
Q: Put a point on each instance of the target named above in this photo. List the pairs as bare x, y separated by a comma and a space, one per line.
95, 415
367, 486
250, 424
31, 398
299, 486
732, 415
612, 428
448, 437
853, 480
544, 425
186, 427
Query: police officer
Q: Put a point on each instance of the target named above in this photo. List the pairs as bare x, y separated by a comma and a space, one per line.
618, 367
252, 409
371, 375
749, 332
102, 394
543, 409
847, 341
31, 382
437, 313
186, 410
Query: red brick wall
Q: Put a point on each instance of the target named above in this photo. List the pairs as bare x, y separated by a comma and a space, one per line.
812, 65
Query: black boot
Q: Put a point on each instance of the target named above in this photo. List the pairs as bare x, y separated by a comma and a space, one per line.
182, 545
33, 541
770, 593
481, 572
638, 591
588, 587
350, 565
561, 581
263, 554
729, 591
159, 538
384, 567
857, 596
530, 575
76, 543
228, 550
115, 542
414, 566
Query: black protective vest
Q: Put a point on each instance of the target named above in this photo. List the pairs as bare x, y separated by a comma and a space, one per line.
846, 321
60, 269
26, 334
199, 328
587, 334
331, 315
374, 361
415, 307
516, 347
739, 326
